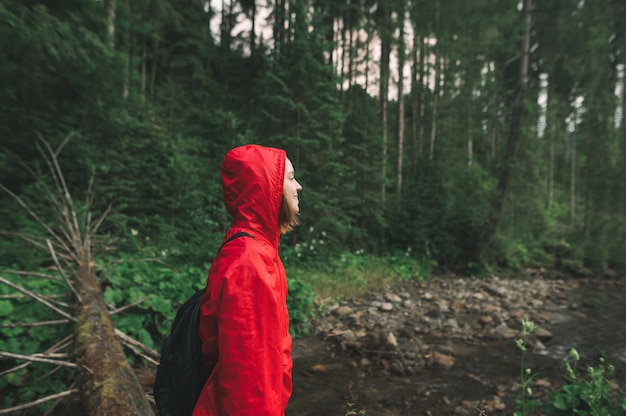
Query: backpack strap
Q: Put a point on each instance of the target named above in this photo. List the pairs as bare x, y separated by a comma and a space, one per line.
236, 235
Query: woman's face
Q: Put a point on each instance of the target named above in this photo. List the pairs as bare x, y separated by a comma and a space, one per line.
291, 187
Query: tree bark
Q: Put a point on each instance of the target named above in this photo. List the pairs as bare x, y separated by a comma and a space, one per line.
109, 386
385, 35
400, 140
515, 133
111, 5
438, 69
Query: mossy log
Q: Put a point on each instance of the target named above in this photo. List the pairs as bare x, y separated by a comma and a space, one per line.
108, 384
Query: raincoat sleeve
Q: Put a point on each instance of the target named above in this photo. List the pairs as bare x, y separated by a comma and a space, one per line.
253, 340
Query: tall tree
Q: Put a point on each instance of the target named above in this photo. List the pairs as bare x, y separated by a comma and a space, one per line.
515, 135
385, 30
400, 115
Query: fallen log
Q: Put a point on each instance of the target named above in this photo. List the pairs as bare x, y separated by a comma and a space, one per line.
108, 384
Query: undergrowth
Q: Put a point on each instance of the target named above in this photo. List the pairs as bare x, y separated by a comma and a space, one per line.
586, 394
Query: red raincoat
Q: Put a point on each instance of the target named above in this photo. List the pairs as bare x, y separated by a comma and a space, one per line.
244, 324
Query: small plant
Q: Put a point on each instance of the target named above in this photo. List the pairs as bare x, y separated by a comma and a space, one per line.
591, 396
524, 404
351, 409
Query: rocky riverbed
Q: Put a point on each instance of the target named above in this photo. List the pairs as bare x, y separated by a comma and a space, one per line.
447, 346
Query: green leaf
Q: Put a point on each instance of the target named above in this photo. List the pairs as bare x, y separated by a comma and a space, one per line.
6, 307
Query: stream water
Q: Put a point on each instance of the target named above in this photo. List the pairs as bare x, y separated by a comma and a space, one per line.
485, 377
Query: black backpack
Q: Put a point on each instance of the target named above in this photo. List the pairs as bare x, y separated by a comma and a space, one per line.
181, 372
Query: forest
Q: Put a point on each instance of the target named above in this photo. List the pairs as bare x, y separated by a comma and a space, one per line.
427, 135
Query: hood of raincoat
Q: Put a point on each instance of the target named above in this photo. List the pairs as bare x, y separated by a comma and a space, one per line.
252, 180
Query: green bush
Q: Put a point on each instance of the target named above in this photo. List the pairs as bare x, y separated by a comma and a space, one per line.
300, 305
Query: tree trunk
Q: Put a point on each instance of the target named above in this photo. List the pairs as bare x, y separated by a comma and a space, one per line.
572, 172
253, 29
155, 61
127, 59
109, 386
400, 141
111, 4
415, 100
515, 133
385, 34
438, 69
436, 92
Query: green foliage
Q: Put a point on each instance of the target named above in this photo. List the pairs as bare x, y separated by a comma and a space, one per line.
160, 288
300, 305
30, 382
525, 405
589, 395
155, 113
584, 396
163, 289
353, 273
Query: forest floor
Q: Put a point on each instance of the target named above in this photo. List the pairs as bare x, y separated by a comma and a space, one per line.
447, 346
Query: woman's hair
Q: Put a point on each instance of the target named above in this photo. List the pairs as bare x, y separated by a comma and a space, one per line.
287, 219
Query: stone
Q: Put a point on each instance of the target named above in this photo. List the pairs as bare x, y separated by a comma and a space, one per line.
439, 360
387, 306
392, 297
343, 310
542, 334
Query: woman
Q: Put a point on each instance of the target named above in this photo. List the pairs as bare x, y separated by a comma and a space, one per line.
244, 324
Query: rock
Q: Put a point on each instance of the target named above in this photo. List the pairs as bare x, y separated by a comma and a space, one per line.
343, 310
485, 320
495, 404
542, 383
392, 297
439, 360
434, 314
504, 331
391, 340
386, 307
542, 334
443, 306
397, 368
349, 336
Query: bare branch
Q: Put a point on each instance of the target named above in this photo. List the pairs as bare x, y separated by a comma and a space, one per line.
63, 143
58, 206
36, 241
54, 405
139, 353
34, 216
32, 324
52, 355
34, 274
67, 280
98, 222
125, 338
34, 358
39, 401
37, 298
73, 226
130, 305
64, 343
